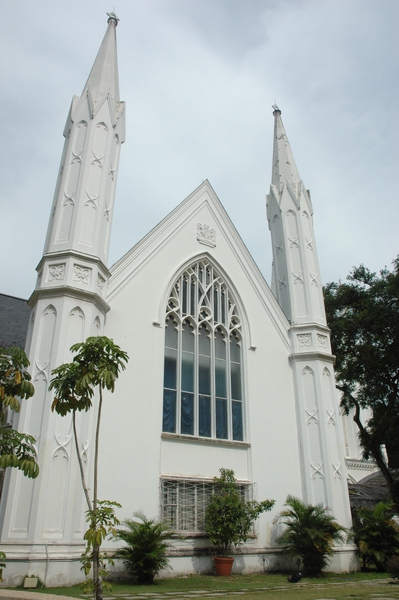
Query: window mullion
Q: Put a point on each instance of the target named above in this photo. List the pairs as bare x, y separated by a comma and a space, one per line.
196, 383
179, 370
213, 384
228, 388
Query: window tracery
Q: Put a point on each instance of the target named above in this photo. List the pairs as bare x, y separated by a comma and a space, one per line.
203, 392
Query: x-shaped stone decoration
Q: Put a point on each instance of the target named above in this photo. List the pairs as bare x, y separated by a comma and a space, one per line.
317, 470
298, 278
313, 279
294, 242
312, 415
337, 470
282, 282
331, 417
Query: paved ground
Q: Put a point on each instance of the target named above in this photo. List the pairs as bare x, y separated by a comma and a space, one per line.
199, 594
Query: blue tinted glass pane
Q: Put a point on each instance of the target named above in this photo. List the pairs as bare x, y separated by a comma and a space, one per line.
184, 296
235, 381
204, 364
215, 306
204, 416
221, 418
220, 346
192, 307
169, 411
187, 413
171, 334
234, 349
220, 377
187, 338
187, 372
170, 368
204, 342
237, 421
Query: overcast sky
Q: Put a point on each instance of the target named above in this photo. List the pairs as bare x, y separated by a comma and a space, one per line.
199, 78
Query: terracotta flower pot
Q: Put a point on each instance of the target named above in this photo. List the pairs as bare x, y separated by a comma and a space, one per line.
223, 565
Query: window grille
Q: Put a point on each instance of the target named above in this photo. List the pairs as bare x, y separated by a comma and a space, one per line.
184, 502
203, 374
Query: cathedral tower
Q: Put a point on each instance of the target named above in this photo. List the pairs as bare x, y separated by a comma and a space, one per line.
297, 287
43, 519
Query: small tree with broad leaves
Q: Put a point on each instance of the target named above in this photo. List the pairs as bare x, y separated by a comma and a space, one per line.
95, 366
16, 448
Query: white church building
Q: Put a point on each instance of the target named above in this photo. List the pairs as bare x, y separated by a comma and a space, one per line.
224, 371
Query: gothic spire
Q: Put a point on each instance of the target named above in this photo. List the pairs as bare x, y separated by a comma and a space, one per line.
284, 168
103, 76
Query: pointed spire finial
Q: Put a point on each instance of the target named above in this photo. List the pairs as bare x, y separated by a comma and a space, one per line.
112, 17
275, 108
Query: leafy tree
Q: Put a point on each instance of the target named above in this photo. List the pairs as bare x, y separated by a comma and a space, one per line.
228, 518
95, 366
16, 449
376, 534
102, 523
145, 553
310, 534
363, 315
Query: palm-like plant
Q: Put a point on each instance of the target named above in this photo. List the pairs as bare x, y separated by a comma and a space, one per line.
376, 534
310, 534
145, 553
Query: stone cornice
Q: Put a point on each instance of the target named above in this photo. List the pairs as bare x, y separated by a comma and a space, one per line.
306, 356
71, 292
90, 258
175, 437
360, 464
297, 327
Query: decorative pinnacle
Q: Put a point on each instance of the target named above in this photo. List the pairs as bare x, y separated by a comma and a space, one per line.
276, 109
112, 17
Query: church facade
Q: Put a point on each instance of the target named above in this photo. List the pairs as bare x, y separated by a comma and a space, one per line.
224, 371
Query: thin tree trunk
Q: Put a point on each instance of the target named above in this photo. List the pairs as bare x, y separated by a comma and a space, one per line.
82, 474
375, 450
97, 585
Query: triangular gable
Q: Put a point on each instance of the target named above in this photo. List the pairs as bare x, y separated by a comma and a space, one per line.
135, 259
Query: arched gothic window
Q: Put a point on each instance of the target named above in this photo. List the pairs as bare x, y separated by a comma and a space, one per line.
203, 374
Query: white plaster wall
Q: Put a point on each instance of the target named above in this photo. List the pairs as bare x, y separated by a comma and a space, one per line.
132, 417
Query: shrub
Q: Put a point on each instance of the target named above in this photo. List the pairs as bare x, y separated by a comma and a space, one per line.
310, 534
392, 566
145, 553
376, 534
228, 518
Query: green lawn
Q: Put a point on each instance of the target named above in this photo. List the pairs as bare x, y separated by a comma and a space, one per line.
369, 586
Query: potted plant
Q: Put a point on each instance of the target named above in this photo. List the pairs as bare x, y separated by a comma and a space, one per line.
229, 518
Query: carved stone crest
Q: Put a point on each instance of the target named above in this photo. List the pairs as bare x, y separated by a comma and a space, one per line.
100, 283
206, 235
81, 274
322, 341
304, 340
56, 272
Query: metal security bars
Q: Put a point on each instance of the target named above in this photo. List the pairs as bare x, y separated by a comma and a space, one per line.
184, 502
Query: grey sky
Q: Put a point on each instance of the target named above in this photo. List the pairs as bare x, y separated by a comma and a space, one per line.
199, 78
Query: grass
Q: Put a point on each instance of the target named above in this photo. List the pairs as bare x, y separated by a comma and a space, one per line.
256, 586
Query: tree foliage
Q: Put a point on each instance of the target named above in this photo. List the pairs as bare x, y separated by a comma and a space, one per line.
146, 546
95, 366
16, 449
376, 534
363, 315
310, 534
229, 517
102, 523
